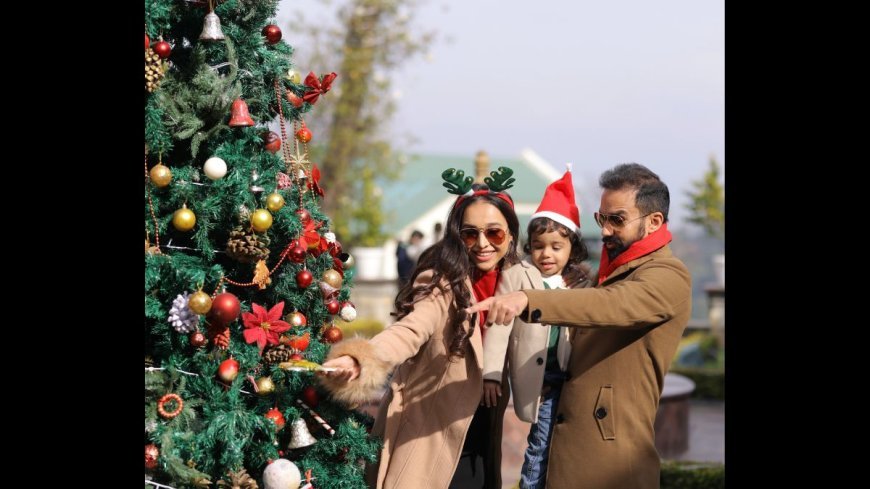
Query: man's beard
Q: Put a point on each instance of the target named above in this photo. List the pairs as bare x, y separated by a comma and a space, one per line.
621, 246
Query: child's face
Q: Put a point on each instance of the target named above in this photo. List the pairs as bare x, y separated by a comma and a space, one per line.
550, 252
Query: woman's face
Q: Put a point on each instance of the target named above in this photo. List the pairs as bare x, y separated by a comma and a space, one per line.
485, 233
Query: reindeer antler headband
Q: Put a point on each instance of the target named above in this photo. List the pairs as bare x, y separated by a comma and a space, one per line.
457, 183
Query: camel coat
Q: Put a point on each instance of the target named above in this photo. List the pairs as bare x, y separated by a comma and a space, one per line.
425, 414
524, 344
627, 332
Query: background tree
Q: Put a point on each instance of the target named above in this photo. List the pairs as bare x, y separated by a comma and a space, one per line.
243, 278
372, 40
707, 202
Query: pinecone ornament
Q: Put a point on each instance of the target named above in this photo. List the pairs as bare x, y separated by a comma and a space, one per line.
238, 480
154, 70
180, 316
201, 483
247, 246
277, 354
220, 336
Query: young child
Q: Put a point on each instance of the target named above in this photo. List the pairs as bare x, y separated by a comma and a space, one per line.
536, 354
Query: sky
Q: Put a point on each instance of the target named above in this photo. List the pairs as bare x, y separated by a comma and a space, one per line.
594, 83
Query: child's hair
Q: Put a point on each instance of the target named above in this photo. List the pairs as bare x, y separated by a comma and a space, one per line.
574, 270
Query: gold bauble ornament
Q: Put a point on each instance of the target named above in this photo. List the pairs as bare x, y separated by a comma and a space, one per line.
333, 278
199, 302
161, 175
265, 386
261, 220
184, 219
294, 76
274, 202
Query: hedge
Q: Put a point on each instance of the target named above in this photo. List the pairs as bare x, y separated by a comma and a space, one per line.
692, 475
709, 383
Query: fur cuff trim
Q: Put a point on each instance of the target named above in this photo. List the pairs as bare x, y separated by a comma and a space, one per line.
372, 378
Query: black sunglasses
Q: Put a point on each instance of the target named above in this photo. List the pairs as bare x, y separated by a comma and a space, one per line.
616, 221
469, 236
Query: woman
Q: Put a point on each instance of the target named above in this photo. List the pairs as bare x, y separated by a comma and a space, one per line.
435, 393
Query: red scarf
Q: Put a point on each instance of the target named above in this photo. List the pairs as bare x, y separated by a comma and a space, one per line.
483, 284
637, 249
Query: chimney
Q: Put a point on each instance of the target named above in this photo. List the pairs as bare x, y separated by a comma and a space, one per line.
481, 166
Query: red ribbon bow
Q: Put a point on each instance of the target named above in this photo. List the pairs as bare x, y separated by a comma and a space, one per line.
317, 87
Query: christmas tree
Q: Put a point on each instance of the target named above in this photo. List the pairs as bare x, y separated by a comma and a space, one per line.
243, 279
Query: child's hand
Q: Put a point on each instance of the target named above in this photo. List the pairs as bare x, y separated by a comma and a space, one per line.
578, 281
347, 368
491, 393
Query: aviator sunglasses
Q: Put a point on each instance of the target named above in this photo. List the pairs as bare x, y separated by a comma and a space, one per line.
469, 236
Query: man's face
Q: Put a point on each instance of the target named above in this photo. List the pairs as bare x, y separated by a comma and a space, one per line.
621, 221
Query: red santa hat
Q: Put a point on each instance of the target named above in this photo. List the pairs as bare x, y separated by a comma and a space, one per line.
558, 203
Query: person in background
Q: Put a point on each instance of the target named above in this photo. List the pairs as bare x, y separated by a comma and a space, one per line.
407, 255
431, 417
537, 355
436, 231
627, 330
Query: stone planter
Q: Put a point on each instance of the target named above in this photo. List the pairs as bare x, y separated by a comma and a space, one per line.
369, 263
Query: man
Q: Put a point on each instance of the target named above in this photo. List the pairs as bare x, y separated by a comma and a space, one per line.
628, 328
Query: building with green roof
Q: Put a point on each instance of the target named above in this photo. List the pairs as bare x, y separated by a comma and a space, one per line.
418, 200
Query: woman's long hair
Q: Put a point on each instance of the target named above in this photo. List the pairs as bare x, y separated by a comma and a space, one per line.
575, 269
449, 260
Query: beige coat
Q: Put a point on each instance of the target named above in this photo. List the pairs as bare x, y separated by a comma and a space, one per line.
524, 344
425, 415
628, 331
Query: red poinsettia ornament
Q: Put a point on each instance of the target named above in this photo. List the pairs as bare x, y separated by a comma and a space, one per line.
264, 327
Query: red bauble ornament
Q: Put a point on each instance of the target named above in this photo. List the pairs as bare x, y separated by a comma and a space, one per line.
225, 308
298, 343
151, 454
163, 49
297, 254
147, 41
332, 334
296, 319
228, 370
333, 306
271, 141
294, 99
335, 250
303, 279
296, 356
303, 135
272, 33
197, 339
304, 215
275, 415
310, 396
